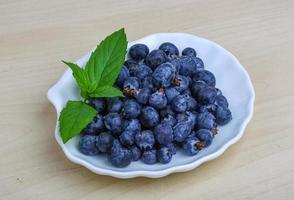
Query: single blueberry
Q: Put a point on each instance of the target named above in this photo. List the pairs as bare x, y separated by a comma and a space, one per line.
190, 146
142, 71
164, 155
132, 125
188, 66
119, 156
98, 103
95, 126
123, 75
187, 117
181, 131
158, 100
163, 133
131, 109
145, 139
132, 65
206, 120
176, 62
163, 75
205, 136
131, 86
189, 52
169, 119
196, 86
223, 115
221, 101
155, 58
181, 83
180, 104
114, 104
143, 95
206, 76
171, 93
207, 95
104, 141
191, 102
149, 117
136, 152
169, 48
138, 51
87, 145
172, 147
149, 156
127, 138
113, 122
199, 63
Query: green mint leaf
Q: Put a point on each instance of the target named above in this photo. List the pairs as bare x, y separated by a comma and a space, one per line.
81, 77
74, 118
107, 91
107, 59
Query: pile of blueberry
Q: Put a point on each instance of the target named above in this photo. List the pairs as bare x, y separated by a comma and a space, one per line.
171, 102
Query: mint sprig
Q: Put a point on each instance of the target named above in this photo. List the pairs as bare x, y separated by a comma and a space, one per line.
95, 80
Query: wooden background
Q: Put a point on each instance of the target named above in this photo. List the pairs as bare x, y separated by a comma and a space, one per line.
35, 35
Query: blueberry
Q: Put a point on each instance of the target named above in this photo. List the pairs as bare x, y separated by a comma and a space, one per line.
205, 136
131, 109
176, 62
143, 95
207, 95
163, 133
188, 66
218, 91
123, 75
149, 156
138, 51
223, 115
206, 76
95, 126
132, 125
196, 86
167, 111
104, 141
155, 58
199, 63
87, 145
206, 120
187, 91
119, 156
221, 101
98, 103
169, 48
163, 75
158, 100
136, 152
187, 117
127, 138
131, 86
181, 83
114, 105
190, 146
191, 102
149, 117
142, 71
172, 147
113, 122
181, 131
147, 83
207, 108
164, 155
145, 139
189, 52
169, 119
180, 104
132, 66
171, 93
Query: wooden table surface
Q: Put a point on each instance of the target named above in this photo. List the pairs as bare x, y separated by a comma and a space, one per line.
36, 35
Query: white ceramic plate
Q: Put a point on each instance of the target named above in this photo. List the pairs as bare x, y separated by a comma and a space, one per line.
231, 78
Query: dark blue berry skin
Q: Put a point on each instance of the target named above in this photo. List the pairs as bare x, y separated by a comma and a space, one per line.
114, 105
119, 156
196, 87
167, 111
169, 48
143, 95
180, 104
131, 109
123, 75
98, 103
155, 58
181, 83
127, 138
206, 76
187, 117
158, 100
188, 66
136, 152
164, 155
104, 141
176, 62
149, 156
113, 122
207, 108
171, 93
189, 52
132, 65
147, 83
142, 71
87, 145
206, 120
191, 102
172, 147
187, 92
163, 75
205, 135
170, 120
163, 133
207, 95
132, 125
199, 63
218, 91
190, 146
221, 101
181, 131
131, 86
149, 117
95, 126
223, 115
145, 139
138, 51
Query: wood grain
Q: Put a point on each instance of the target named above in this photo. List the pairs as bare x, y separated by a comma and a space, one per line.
36, 35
